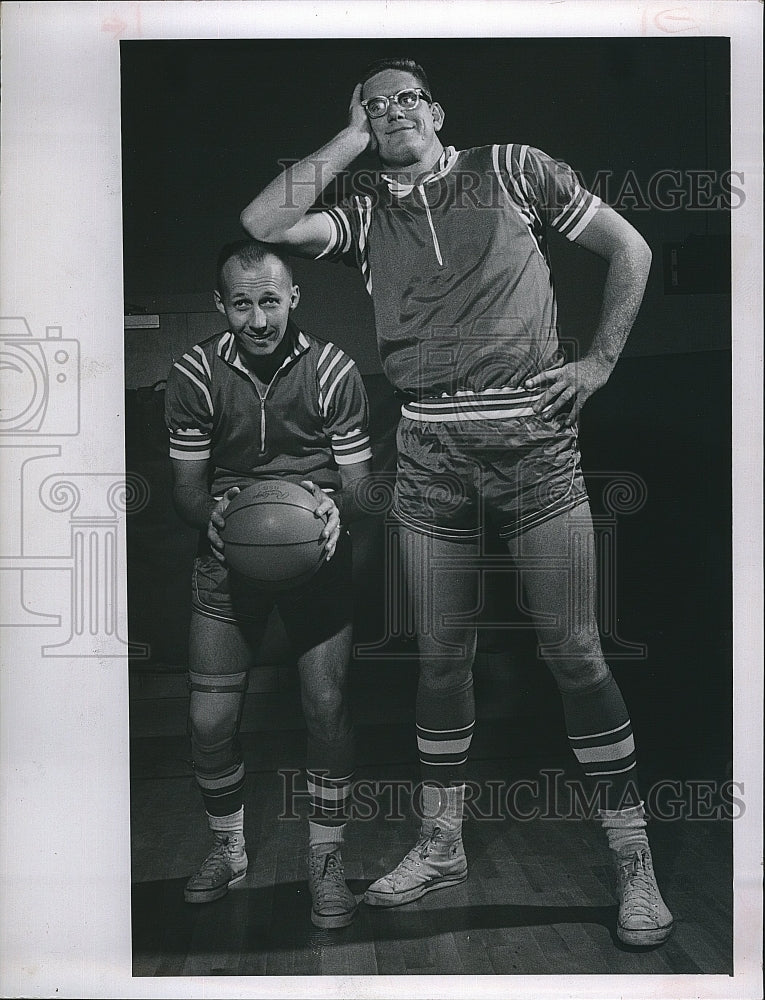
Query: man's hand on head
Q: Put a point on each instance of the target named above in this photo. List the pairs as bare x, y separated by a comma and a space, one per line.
358, 120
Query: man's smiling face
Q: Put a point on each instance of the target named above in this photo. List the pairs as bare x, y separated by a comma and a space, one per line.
256, 299
404, 138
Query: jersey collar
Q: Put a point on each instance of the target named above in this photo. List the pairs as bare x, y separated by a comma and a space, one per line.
227, 348
445, 163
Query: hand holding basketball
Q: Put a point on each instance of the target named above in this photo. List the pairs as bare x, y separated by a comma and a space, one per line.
327, 508
217, 523
276, 533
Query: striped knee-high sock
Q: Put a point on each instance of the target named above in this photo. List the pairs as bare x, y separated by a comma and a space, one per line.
329, 771
445, 722
222, 789
600, 733
218, 764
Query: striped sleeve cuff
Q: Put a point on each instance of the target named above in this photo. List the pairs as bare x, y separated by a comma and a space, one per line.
189, 445
341, 240
577, 214
351, 448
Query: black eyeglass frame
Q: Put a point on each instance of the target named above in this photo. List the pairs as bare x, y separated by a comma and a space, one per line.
394, 97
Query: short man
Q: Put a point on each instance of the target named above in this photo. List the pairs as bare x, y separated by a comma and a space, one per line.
451, 246
265, 400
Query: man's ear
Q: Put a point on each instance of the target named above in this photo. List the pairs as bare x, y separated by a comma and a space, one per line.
294, 296
219, 302
439, 115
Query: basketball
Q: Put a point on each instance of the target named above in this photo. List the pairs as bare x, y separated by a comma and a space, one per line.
272, 536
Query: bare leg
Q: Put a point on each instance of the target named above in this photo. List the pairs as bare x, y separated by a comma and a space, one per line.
440, 592
557, 567
323, 681
220, 656
443, 597
331, 752
562, 602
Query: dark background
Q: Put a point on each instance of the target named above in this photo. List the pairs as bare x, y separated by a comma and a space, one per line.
204, 126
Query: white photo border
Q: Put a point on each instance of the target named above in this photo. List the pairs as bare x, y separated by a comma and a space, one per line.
65, 830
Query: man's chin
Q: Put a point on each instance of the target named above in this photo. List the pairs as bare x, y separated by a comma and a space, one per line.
399, 159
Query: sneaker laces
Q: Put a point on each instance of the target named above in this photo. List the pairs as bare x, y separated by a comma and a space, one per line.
218, 861
412, 861
638, 885
329, 879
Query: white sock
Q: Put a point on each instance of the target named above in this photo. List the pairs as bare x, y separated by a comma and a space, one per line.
324, 839
233, 825
625, 829
443, 803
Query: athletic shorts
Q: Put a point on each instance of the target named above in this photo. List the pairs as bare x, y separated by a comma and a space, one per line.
478, 461
311, 612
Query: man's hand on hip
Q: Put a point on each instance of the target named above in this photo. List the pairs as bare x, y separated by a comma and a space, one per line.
567, 388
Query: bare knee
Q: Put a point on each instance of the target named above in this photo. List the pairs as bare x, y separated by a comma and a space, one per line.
445, 675
214, 714
576, 664
210, 727
214, 743
445, 667
325, 711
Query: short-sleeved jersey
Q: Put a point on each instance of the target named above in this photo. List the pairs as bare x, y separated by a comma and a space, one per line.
310, 419
457, 266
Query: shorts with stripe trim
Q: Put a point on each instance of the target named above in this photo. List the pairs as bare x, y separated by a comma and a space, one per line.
311, 613
483, 461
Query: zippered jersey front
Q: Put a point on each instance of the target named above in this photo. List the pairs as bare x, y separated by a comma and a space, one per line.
457, 266
310, 419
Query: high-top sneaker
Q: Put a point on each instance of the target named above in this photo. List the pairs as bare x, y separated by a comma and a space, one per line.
224, 866
334, 905
437, 860
643, 916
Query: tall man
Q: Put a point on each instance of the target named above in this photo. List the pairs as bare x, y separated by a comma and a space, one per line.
265, 400
451, 246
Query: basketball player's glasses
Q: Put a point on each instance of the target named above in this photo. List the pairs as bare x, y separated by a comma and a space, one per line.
407, 100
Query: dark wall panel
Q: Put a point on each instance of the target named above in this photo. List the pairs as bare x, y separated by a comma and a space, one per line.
206, 124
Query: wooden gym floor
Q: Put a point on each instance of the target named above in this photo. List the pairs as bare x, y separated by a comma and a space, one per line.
540, 895
539, 899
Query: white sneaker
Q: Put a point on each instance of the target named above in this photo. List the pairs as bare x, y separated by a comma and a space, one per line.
224, 866
334, 905
435, 862
643, 915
